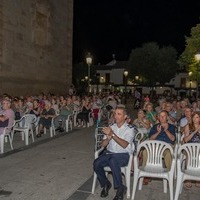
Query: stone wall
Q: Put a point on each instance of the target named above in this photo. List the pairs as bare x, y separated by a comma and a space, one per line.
35, 46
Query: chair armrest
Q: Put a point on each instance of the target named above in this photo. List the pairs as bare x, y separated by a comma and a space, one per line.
96, 155
9, 127
17, 121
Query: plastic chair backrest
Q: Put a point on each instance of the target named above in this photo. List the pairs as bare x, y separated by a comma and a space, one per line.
29, 120
138, 137
192, 150
98, 138
155, 150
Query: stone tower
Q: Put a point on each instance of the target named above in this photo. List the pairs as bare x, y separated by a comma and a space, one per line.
35, 46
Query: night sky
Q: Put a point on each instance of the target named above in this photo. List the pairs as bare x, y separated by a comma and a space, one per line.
106, 27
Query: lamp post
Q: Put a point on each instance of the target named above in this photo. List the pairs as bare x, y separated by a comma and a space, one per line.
89, 62
190, 88
190, 74
197, 58
125, 79
86, 84
136, 80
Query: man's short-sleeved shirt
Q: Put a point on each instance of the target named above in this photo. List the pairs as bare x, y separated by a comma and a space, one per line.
163, 136
125, 132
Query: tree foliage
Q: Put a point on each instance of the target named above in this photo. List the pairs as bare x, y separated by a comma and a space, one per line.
187, 58
192, 47
153, 64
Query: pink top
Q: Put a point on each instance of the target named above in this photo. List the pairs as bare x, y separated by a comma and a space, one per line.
10, 115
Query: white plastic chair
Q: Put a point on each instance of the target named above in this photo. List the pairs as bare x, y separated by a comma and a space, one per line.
91, 120
154, 166
68, 123
57, 112
6, 134
75, 117
124, 170
52, 129
179, 139
25, 126
35, 125
188, 165
138, 137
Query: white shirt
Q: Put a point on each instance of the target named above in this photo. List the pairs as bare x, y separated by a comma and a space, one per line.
125, 132
183, 122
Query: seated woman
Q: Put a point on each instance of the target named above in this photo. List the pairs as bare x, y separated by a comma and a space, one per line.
192, 135
83, 115
76, 102
29, 108
36, 108
65, 111
95, 106
45, 118
54, 105
150, 113
141, 122
22, 107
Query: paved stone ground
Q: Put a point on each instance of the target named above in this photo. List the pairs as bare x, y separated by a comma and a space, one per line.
60, 168
152, 191
49, 169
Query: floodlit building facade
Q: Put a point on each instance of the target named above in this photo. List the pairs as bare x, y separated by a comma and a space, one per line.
35, 46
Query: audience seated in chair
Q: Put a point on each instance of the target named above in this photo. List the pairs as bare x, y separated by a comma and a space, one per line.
65, 111
192, 135
7, 115
142, 121
83, 115
95, 107
21, 107
45, 118
118, 140
162, 131
36, 108
15, 108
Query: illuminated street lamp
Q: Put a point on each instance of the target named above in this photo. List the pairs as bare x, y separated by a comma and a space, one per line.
89, 62
197, 58
125, 79
190, 74
136, 80
86, 78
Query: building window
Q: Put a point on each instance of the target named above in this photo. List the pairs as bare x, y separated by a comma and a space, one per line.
183, 83
107, 78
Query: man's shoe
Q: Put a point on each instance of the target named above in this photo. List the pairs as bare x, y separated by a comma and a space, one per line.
61, 130
105, 190
121, 191
58, 128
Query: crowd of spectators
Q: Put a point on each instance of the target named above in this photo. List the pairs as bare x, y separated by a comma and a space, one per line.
59, 107
158, 120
